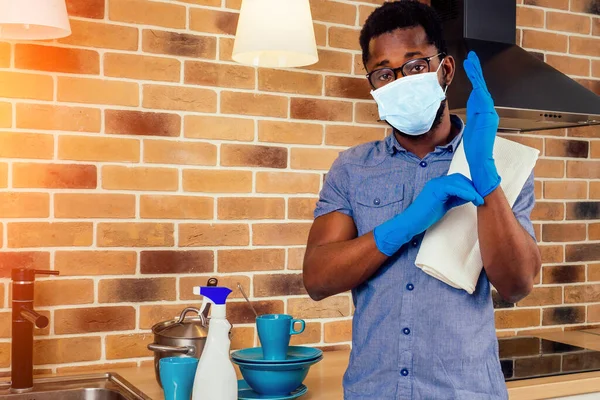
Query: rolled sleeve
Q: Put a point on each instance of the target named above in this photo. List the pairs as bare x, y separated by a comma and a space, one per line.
334, 195
524, 205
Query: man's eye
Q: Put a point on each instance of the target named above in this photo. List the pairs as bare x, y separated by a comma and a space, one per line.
385, 77
417, 69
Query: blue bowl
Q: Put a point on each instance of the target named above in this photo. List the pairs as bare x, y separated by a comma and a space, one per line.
275, 379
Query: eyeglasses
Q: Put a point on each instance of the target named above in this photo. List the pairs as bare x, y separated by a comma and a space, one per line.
381, 77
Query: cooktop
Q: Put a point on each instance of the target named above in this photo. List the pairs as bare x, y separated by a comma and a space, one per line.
527, 357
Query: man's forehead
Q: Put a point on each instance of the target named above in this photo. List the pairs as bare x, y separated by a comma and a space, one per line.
398, 44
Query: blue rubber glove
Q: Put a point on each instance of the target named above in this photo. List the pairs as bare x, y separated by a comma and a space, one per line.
480, 131
437, 197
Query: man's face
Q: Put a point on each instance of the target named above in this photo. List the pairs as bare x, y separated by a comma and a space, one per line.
393, 49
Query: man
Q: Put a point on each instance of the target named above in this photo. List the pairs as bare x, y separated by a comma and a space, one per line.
415, 337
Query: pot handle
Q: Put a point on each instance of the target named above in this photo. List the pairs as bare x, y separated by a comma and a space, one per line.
171, 349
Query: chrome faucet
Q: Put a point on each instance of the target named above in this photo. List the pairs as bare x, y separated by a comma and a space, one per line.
23, 321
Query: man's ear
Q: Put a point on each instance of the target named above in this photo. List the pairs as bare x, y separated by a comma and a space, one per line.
449, 67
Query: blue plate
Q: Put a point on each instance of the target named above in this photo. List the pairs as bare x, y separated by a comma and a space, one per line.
245, 392
295, 354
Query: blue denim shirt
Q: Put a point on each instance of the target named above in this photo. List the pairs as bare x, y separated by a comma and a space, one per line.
413, 337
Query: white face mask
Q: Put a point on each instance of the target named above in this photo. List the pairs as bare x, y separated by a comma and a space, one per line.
410, 104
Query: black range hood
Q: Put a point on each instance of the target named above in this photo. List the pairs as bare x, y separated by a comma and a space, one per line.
529, 94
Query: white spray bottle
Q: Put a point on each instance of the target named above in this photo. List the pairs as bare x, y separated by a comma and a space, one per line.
215, 377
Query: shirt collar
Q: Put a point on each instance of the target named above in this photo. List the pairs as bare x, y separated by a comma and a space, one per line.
392, 146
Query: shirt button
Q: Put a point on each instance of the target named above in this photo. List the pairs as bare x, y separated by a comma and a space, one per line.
415, 243
404, 372
406, 331
450, 150
410, 286
423, 164
377, 201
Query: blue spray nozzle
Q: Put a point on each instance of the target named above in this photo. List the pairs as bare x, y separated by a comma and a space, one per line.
217, 294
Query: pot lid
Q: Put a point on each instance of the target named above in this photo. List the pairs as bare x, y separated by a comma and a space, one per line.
182, 327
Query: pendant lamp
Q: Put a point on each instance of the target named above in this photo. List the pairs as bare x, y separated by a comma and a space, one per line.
33, 19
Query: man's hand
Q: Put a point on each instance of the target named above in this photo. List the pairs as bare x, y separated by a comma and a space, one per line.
435, 200
480, 131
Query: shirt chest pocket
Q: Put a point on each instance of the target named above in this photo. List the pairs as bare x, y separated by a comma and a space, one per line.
377, 200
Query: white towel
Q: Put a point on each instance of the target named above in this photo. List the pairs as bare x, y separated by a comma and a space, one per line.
450, 249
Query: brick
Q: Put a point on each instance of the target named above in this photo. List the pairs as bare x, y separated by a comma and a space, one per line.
186, 287
24, 205
54, 292
85, 205
537, 230
567, 148
353, 88
545, 41
221, 75
559, 4
60, 351
287, 182
266, 105
594, 231
26, 145
86, 8
96, 34
594, 190
213, 3
139, 178
596, 26
213, 235
96, 367
242, 337
176, 207
226, 48
278, 285
49, 234
88, 148
26, 86
6, 114
591, 131
530, 17
593, 272
558, 21
583, 169
595, 150
593, 313
542, 296
250, 260
584, 46
552, 254
332, 61
131, 345
313, 158
565, 190
250, 208
141, 67
96, 319
3, 175
583, 210
564, 232
253, 156
57, 59
318, 109
213, 21
274, 80
311, 334
155, 313
545, 211
583, 252
24, 259
177, 262
217, 181
359, 67
524, 318
154, 13
280, 234
219, 128
593, 85
331, 307
59, 176
58, 118
97, 91
179, 44
342, 135
136, 290
142, 123
366, 113
582, 294
344, 38
338, 331
363, 12
290, 132
320, 34
537, 188
171, 152
563, 315
331, 11
2, 291
569, 65
135, 234
76, 263
241, 313
549, 168
563, 274
301, 208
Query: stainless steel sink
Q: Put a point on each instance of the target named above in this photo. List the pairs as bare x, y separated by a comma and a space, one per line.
81, 387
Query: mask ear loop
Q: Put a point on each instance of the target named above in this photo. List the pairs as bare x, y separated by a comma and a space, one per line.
438, 70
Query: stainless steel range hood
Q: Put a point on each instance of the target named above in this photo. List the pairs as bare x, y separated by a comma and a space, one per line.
528, 93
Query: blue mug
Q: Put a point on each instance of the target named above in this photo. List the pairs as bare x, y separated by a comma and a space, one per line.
177, 376
274, 332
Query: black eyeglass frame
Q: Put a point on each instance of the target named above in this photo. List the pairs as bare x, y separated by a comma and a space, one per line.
400, 68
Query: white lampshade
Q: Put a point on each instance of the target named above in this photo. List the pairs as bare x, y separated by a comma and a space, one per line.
33, 19
275, 33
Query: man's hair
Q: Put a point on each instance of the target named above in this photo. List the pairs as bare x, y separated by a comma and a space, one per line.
398, 15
